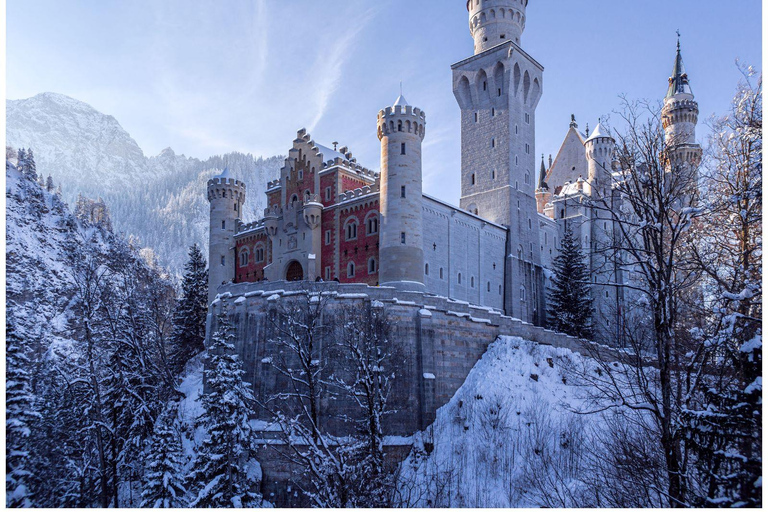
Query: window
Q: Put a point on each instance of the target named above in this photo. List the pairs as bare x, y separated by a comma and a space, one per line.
493, 174
473, 178
528, 118
426, 269
402, 191
527, 178
515, 129
328, 237
500, 87
485, 86
402, 148
493, 143
476, 117
327, 273
307, 196
493, 111
372, 266
459, 278
499, 289
223, 261
518, 204
301, 175
402, 237
517, 185
258, 254
235, 206
244, 258
223, 224
527, 149
503, 36
441, 272
327, 193
372, 225
351, 229
472, 281
522, 294
351, 269
489, 286
530, 224
399, 126
516, 160
294, 199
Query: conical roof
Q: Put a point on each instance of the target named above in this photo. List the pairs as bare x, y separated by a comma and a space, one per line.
543, 175
599, 131
401, 101
678, 82
224, 173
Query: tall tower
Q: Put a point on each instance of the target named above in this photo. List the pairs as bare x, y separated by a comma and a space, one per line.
498, 89
226, 196
495, 21
401, 130
679, 117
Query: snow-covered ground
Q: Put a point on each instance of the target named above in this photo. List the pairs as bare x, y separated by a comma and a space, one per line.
512, 436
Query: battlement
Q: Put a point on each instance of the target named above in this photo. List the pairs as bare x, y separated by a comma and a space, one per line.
401, 119
492, 22
222, 187
682, 103
359, 192
243, 228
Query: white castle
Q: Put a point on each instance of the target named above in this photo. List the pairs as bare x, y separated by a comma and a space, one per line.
329, 218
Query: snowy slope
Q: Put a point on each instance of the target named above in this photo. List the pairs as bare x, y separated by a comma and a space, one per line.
511, 435
160, 200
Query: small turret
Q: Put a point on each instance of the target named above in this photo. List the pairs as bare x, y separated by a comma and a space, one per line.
680, 115
401, 130
543, 195
226, 196
599, 148
492, 22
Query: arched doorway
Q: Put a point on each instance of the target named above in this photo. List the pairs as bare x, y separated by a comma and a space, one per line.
294, 272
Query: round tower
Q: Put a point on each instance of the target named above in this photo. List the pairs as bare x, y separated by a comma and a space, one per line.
599, 149
680, 116
492, 22
226, 196
401, 130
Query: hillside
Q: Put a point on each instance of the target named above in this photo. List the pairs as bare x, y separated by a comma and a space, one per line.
159, 200
515, 435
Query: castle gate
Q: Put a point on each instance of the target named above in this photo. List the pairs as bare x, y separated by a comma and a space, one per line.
294, 272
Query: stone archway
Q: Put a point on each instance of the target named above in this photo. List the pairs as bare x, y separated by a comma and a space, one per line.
294, 272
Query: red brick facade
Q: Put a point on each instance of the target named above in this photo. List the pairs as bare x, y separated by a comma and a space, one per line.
258, 250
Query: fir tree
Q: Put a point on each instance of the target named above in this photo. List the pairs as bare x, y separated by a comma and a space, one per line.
49, 184
162, 483
189, 318
20, 415
28, 167
219, 477
570, 305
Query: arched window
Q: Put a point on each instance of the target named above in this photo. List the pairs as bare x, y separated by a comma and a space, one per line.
244, 257
258, 253
351, 229
351, 269
441, 272
372, 224
294, 199
306, 196
522, 294
372, 266
399, 126
426, 269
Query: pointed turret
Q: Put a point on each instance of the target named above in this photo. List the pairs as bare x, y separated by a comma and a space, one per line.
543, 175
543, 195
678, 82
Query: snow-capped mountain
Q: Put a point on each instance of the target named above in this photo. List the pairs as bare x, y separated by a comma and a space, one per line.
159, 200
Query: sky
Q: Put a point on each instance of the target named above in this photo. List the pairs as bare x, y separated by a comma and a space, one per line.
207, 77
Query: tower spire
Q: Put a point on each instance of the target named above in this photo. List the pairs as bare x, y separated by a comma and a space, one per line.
543, 174
678, 82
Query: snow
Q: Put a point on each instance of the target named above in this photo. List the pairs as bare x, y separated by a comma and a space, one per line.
755, 343
330, 154
240, 300
429, 376
425, 313
352, 295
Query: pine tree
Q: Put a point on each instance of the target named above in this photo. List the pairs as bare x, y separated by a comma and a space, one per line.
219, 477
21, 413
49, 184
570, 302
163, 487
189, 318
29, 168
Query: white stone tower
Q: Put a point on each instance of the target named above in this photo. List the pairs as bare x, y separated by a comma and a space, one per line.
226, 196
498, 90
401, 130
495, 21
679, 117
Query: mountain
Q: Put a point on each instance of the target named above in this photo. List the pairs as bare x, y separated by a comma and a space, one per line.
158, 200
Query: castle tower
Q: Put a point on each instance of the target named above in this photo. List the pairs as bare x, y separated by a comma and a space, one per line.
599, 149
492, 22
401, 130
543, 195
498, 90
679, 117
226, 196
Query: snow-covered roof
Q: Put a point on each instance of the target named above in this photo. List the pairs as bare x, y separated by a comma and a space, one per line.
401, 101
598, 132
330, 154
224, 174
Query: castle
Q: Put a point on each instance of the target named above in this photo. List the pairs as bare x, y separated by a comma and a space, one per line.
329, 218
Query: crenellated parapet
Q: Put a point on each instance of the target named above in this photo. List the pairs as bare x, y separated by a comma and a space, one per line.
402, 119
492, 22
359, 192
226, 188
679, 110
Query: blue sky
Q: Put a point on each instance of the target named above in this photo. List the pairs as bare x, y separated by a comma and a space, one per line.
211, 76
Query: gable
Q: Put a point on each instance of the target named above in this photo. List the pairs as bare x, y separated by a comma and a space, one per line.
570, 163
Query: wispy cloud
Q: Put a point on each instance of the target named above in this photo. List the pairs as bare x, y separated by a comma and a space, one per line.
329, 64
